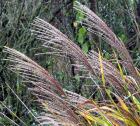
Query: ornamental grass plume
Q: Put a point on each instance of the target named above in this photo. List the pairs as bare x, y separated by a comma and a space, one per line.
95, 25
61, 107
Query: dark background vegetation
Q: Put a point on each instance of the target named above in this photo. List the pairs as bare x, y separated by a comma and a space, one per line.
16, 16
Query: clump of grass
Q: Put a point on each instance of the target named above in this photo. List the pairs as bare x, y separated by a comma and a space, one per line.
120, 104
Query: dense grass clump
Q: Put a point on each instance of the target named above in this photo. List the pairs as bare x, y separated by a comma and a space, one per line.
116, 83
